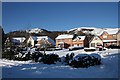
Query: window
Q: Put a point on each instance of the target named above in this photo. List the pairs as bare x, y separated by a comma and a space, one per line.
104, 36
69, 39
114, 36
58, 40
92, 44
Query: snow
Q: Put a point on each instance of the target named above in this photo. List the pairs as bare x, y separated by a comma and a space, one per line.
27, 69
18, 39
112, 31
64, 36
34, 30
96, 31
38, 38
79, 37
109, 40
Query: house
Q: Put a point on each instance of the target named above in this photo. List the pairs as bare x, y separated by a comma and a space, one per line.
110, 36
66, 40
38, 40
118, 38
18, 39
14, 41
96, 41
78, 41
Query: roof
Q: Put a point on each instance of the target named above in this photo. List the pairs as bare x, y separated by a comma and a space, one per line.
79, 37
109, 31
38, 38
94, 38
18, 39
64, 36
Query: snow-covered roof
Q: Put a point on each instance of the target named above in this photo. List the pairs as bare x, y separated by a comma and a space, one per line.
109, 31
38, 38
64, 36
18, 39
112, 31
79, 37
94, 30
109, 40
60, 42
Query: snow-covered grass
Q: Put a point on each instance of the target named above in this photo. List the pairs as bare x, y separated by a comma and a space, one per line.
27, 69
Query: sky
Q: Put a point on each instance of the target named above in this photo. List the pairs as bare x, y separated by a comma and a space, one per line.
58, 16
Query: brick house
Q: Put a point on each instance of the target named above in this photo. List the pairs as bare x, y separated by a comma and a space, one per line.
118, 38
110, 36
66, 40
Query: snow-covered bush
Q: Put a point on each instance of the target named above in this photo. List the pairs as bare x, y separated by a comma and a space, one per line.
36, 56
95, 59
81, 60
85, 60
69, 57
9, 54
49, 58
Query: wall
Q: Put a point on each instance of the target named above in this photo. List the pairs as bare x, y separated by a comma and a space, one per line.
95, 41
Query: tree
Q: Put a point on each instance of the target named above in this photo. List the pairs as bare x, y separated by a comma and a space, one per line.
43, 44
2, 37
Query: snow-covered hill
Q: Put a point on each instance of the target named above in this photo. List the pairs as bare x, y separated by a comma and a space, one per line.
35, 30
91, 30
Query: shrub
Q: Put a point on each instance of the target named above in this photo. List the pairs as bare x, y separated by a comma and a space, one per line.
36, 55
9, 54
49, 58
85, 60
69, 57
113, 47
95, 59
81, 60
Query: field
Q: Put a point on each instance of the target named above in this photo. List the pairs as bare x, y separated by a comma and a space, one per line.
28, 69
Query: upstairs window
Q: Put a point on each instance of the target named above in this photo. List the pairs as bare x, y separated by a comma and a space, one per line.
58, 40
104, 37
114, 36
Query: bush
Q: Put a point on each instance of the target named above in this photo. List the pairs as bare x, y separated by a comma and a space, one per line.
75, 48
89, 49
69, 57
9, 54
85, 60
81, 60
35, 56
95, 59
49, 58
113, 47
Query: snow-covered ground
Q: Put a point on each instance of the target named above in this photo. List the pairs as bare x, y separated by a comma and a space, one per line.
27, 69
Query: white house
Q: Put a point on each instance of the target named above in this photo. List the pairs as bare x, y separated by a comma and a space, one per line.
18, 39
35, 40
95, 42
